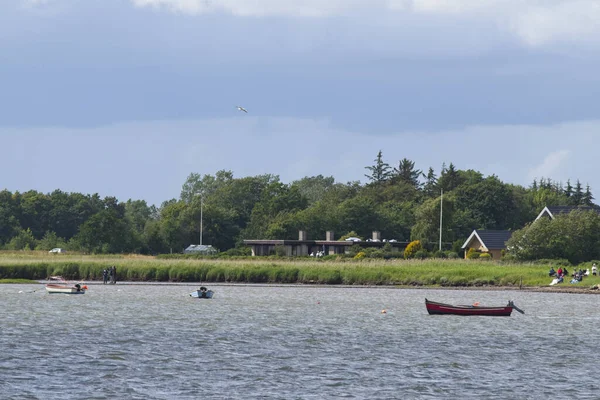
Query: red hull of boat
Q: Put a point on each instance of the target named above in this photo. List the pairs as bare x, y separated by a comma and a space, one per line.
434, 308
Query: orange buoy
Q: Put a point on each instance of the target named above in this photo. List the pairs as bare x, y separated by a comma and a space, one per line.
85, 287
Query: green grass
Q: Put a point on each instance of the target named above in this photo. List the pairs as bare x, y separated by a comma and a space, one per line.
433, 272
17, 281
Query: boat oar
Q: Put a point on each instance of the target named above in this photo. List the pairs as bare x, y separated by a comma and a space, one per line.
515, 307
32, 291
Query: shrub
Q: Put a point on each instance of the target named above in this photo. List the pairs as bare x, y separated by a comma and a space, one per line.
473, 254
452, 254
360, 255
412, 248
280, 251
485, 256
439, 254
421, 254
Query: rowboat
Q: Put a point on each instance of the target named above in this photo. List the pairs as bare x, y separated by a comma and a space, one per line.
59, 285
434, 308
202, 293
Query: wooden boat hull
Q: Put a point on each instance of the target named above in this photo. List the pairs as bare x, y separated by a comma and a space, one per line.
64, 289
202, 295
434, 308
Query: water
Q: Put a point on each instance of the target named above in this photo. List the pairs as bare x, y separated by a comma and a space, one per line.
156, 342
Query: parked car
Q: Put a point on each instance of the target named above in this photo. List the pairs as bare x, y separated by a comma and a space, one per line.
353, 239
57, 250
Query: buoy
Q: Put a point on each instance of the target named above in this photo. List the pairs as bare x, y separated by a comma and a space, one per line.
85, 287
383, 311
476, 303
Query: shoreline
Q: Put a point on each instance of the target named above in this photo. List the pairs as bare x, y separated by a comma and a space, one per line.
531, 289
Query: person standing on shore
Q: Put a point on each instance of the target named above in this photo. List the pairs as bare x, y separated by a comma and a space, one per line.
114, 274
104, 276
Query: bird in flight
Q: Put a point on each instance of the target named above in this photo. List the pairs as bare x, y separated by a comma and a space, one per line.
242, 109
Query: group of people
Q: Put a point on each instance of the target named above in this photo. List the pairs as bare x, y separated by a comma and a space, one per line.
577, 275
109, 275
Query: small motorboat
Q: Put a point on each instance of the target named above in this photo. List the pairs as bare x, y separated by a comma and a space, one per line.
434, 308
59, 285
202, 293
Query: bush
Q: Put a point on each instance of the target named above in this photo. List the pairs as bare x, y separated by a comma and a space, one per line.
280, 251
421, 254
439, 254
412, 248
473, 254
359, 256
452, 254
485, 256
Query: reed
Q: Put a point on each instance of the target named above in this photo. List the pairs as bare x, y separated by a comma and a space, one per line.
433, 272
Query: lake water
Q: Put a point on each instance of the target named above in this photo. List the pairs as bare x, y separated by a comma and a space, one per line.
156, 342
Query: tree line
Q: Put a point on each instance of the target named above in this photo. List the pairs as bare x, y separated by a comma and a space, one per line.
401, 202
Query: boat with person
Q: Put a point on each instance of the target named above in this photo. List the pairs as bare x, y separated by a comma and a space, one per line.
202, 293
435, 308
58, 284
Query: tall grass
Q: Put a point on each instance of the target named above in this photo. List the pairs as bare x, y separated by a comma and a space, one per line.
444, 273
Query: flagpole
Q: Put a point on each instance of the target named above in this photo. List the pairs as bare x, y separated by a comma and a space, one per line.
441, 207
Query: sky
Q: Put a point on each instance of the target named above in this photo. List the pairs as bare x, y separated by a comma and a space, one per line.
127, 98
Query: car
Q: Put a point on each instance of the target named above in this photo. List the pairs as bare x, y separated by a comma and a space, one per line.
353, 239
57, 250
393, 241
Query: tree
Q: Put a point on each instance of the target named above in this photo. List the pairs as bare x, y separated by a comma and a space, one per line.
50, 241
24, 240
569, 189
587, 198
577, 198
380, 172
449, 178
205, 185
314, 187
574, 236
406, 172
431, 184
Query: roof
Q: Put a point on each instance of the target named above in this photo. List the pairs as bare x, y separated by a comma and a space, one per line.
492, 240
552, 211
200, 248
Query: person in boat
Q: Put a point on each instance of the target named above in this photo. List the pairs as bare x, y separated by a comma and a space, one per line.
203, 291
552, 272
78, 287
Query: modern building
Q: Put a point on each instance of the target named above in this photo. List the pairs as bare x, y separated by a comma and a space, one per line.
329, 246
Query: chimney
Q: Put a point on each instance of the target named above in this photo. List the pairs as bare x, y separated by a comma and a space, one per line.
301, 235
329, 236
376, 236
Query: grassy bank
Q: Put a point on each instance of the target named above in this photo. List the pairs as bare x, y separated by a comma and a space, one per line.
444, 273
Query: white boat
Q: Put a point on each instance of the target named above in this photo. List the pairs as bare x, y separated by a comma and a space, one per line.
202, 293
59, 285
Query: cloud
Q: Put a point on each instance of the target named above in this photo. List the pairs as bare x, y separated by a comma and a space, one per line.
534, 22
551, 164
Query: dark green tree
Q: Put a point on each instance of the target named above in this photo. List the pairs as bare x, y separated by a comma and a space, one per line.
406, 172
380, 172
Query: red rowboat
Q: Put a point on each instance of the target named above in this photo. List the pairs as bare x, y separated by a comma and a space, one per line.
434, 308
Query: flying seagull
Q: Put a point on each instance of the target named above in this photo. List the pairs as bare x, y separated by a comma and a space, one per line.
242, 109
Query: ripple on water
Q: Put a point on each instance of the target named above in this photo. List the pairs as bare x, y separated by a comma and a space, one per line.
155, 342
